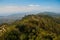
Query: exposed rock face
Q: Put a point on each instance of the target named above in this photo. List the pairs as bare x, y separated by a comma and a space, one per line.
2, 29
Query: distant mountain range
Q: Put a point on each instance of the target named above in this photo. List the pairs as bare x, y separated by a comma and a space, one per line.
50, 14
18, 16
11, 18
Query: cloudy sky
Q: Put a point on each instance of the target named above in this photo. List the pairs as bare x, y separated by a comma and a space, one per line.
18, 6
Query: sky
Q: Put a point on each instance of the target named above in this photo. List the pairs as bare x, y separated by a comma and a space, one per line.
18, 6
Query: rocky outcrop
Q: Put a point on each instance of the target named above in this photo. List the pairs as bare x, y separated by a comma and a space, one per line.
2, 29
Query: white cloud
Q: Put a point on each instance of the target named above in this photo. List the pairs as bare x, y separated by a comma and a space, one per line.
15, 9
33, 5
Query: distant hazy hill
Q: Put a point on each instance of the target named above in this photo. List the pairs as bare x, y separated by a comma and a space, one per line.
11, 18
18, 16
50, 14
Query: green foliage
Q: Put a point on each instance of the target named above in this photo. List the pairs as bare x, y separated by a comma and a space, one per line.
34, 27
13, 35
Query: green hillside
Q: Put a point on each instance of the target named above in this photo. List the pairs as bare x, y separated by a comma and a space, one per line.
32, 27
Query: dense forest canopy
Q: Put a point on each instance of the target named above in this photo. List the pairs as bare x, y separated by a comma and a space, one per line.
32, 27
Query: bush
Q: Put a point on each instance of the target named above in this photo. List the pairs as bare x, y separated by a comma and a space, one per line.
13, 35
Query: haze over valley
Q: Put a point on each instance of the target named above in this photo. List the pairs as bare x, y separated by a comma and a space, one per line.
29, 19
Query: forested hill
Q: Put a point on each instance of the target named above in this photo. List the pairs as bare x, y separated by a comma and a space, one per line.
32, 27
17, 16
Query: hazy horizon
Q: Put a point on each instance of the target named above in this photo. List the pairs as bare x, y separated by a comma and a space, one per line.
22, 6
